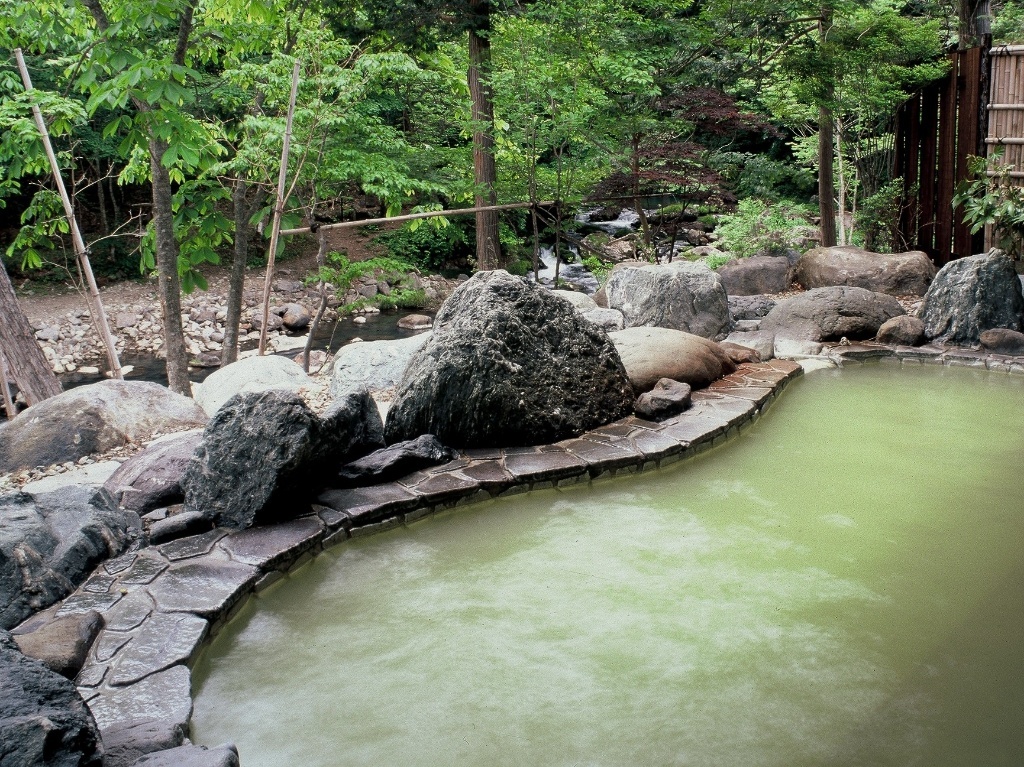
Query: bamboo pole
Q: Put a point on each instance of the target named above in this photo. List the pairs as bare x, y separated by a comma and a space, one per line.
5, 388
278, 207
99, 317
413, 217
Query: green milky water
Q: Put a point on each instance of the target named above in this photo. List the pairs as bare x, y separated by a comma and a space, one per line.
841, 585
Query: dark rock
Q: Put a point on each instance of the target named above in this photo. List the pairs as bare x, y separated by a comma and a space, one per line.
1003, 341
274, 321
902, 331
755, 275
750, 307
288, 286
395, 461
509, 364
124, 743
63, 643
830, 314
263, 455
295, 317
681, 295
651, 354
971, 295
50, 543
93, 419
192, 756
897, 274
43, 719
178, 526
666, 399
152, 479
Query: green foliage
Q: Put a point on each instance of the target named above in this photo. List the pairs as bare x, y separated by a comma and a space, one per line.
431, 246
342, 273
758, 227
994, 200
713, 262
758, 175
597, 267
878, 218
1008, 24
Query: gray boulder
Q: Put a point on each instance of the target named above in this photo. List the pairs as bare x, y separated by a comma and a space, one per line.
264, 453
93, 419
125, 742
750, 307
971, 295
740, 353
1003, 341
192, 756
377, 365
509, 364
606, 319
252, 374
62, 644
898, 274
903, 331
394, 461
666, 399
830, 314
759, 342
681, 296
650, 354
755, 275
581, 301
151, 479
43, 719
50, 543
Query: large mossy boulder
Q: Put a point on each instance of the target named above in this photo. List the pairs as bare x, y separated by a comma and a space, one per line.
93, 419
43, 720
681, 296
266, 454
971, 295
509, 364
897, 274
830, 314
50, 542
650, 354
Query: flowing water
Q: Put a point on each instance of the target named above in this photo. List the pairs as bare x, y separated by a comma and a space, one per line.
842, 585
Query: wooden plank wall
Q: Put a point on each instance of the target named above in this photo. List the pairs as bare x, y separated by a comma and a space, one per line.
936, 131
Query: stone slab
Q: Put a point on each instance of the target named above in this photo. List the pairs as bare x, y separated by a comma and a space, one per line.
147, 566
603, 456
192, 546
275, 546
444, 488
83, 602
166, 695
538, 466
365, 505
129, 612
163, 641
203, 586
488, 475
656, 445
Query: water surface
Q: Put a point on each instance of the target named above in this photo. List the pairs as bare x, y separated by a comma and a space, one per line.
842, 585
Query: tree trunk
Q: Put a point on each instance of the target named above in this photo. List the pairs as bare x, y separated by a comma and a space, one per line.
25, 359
168, 281
236, 287
488, 249
826, 182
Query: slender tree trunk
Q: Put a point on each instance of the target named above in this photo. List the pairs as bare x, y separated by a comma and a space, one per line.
321, 262
168, 281
25, 359
488, 248
236, 287
826, 156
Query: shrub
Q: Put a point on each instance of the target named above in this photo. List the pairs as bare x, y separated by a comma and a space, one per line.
756, 227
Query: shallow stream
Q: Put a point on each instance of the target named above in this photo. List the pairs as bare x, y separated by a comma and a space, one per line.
841, 585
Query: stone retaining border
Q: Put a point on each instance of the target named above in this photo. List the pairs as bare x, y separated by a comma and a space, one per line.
161, 604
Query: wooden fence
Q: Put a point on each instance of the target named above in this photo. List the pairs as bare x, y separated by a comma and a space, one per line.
936, 131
